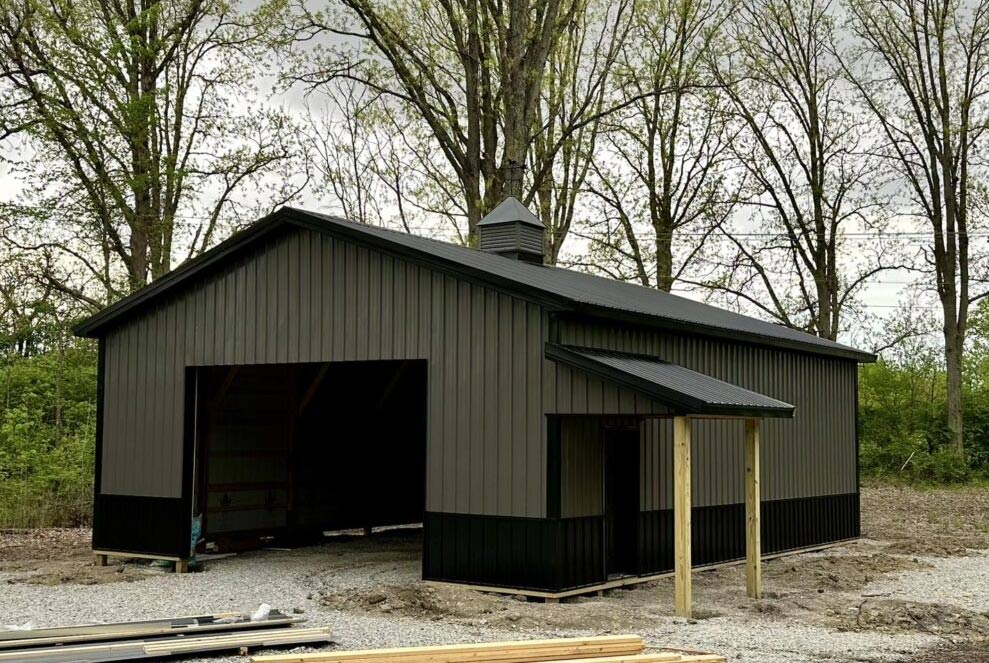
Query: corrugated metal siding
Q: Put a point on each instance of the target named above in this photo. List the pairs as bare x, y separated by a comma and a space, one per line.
305, 297
812, 454
581, 467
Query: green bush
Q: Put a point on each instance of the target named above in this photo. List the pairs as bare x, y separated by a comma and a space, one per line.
47, 435
903, 421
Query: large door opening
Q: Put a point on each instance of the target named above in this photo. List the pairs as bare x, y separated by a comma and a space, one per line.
293, 450
621, 500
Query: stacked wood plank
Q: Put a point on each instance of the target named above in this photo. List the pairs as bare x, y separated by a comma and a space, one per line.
127, 641
602, 649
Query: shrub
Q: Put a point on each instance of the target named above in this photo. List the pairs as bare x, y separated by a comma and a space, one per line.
47, 436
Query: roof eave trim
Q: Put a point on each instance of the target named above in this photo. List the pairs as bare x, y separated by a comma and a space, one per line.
680, 403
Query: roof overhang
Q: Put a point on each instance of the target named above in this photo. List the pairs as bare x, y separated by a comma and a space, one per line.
685, 391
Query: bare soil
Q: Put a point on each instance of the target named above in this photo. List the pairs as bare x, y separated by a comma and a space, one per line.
62, 556
930, 522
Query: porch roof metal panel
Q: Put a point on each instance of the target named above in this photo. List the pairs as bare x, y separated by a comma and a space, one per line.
685, 390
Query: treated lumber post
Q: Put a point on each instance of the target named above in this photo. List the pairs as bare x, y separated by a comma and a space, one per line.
182, 566
753, 543
681, 514
100, 559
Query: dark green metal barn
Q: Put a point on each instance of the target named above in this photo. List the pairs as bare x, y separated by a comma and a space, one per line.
311, 373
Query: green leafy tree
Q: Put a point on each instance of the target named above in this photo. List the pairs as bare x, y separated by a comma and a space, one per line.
922, 69
135, 130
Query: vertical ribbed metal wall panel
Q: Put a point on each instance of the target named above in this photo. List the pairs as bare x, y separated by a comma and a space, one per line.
306, 297
812, 454
581, 467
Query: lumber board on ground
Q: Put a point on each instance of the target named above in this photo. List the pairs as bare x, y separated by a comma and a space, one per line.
524, 651
129, 555
508, 656
252, 639
136, 630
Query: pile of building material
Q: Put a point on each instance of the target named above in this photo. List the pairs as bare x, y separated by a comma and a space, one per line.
155, 639
603, 649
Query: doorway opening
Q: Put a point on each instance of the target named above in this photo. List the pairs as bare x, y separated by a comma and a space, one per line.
621, 501
289, 451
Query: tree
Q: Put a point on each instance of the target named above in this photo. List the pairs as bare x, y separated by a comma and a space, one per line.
498, 87
574, 106
137, 133
804, 153
662, 167
923, 71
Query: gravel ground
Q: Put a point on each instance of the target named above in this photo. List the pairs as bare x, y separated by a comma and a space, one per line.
294, 580
863, 601
957, 581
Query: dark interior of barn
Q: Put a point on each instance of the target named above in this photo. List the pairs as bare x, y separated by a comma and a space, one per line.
289, 451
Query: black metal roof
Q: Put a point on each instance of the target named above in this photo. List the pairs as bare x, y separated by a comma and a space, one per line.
684, 390
565, 289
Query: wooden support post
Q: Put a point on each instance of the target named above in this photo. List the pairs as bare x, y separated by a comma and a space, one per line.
753, 544
100, 559
182, 566
681, 514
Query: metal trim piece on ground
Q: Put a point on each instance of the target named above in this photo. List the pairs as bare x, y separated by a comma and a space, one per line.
144, 629
156, 648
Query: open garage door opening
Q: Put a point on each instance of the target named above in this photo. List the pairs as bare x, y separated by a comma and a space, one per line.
289, 451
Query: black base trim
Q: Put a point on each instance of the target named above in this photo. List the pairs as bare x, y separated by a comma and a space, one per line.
559, 554
718, 532
521, 553
141, 525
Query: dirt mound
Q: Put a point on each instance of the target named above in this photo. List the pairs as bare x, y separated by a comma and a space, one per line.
838, 572
418, 600
956, 546
892, 615
502, 611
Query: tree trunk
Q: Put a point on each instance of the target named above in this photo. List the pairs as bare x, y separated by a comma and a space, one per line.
953, 342
664, 258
